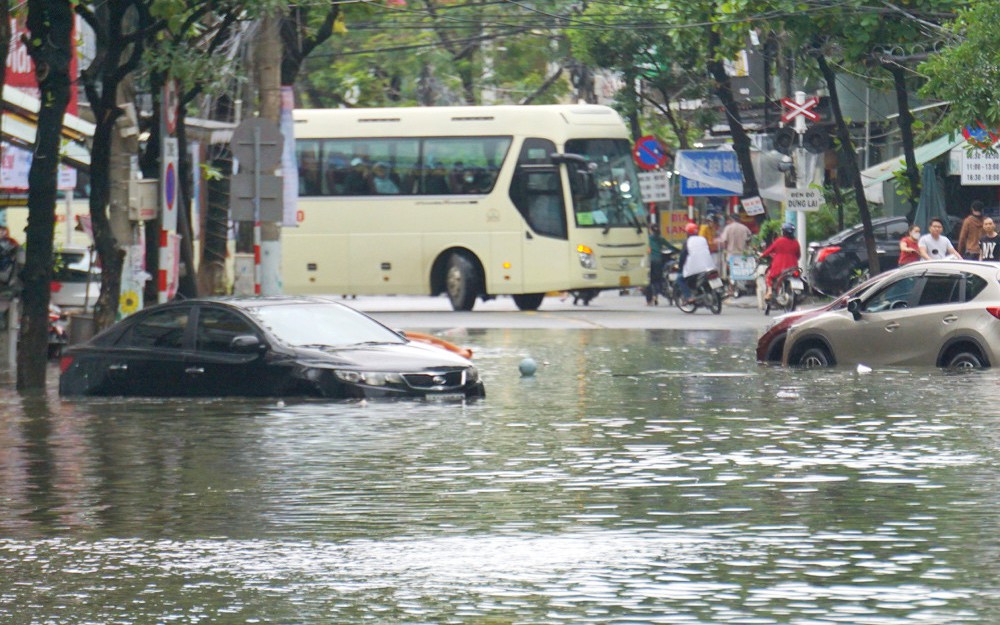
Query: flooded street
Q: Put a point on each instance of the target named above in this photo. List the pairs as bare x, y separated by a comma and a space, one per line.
641, 476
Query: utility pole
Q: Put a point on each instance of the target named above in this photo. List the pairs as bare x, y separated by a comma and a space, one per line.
269, 92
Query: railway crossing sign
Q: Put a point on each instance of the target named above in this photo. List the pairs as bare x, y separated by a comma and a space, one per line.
799, 108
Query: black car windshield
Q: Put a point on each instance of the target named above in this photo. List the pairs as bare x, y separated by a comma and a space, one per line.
323, 324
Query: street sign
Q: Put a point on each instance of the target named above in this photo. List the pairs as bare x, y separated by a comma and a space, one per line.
795, 109
709, 173
257, 138
170, 106
803, 199
753, 206
654, 186
242, 188
169, 185
649, 153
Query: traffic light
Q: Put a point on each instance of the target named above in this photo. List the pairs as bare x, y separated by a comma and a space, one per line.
816, 139
784, 140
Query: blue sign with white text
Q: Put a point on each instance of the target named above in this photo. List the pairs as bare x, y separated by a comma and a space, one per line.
709, 173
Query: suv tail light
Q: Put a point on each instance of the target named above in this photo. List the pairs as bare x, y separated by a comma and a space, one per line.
64, 363
994, 310
826, 251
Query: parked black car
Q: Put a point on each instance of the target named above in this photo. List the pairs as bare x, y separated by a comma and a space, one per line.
264, 347
840, 262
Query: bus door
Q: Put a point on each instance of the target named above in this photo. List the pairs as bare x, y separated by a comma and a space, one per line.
537, 192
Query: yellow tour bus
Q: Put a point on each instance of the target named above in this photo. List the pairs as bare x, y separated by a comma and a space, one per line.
472, 202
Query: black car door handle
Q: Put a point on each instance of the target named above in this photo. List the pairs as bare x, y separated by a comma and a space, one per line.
194, 370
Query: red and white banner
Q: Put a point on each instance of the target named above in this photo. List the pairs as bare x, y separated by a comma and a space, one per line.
21, 69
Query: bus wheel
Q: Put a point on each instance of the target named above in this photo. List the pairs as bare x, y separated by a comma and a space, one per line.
463, 282
528, 301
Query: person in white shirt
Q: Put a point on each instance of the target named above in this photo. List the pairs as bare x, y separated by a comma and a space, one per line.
696, 259
934, 245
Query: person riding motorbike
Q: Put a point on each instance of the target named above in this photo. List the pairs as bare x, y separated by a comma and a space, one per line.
696, 259
784, 252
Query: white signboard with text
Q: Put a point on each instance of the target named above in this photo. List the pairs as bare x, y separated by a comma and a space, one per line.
654, 186
980, 168
803, 199
753, 206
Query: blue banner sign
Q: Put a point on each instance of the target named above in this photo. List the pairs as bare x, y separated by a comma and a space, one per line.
709, 173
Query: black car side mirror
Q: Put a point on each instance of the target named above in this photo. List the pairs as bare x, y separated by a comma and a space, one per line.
854, 307
245, 344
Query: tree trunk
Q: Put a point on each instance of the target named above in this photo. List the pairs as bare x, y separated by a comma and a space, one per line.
187, 285
51, 24
116, 56
850, 161
741, 140
108, 251
906, 129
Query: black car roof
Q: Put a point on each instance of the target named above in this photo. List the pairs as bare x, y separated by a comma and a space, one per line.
848, 232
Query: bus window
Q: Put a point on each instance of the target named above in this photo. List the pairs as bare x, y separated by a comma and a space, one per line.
536, 189
458, 165
307, 155
351, 166
617, 202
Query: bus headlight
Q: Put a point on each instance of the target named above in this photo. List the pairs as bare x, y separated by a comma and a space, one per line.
587, 260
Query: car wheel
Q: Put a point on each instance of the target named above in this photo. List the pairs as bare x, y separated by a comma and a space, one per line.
531, 301
815, 358
462, 281
963, 359
775, 350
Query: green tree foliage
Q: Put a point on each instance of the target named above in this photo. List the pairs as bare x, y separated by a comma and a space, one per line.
669, 58
440, 52
966, 73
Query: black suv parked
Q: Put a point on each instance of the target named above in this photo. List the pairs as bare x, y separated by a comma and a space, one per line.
841, 261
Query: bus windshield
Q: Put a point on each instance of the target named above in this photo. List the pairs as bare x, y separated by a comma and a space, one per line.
617, 203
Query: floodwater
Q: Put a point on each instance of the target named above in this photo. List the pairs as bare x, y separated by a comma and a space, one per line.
638, 477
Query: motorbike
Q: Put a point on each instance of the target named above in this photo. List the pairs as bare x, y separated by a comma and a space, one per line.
743, 272
664, 287
786, 290
58, 335
707, 292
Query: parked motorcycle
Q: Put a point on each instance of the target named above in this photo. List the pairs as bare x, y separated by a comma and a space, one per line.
707, 292
58, 335
786, 291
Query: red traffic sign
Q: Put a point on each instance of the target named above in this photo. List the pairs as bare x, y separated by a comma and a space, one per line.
795, 109
649, 153
170, 104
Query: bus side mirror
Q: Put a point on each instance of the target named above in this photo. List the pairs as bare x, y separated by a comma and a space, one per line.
582, 184
581, 174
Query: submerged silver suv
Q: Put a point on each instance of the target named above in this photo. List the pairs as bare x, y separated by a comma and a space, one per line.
933, 313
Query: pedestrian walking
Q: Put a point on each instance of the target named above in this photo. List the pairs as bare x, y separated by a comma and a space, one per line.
989, 243
971, 232
909, 246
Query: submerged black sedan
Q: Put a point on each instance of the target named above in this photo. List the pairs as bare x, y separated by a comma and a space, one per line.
262, 347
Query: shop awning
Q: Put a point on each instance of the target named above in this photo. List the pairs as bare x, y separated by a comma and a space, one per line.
20, 117
874, 177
